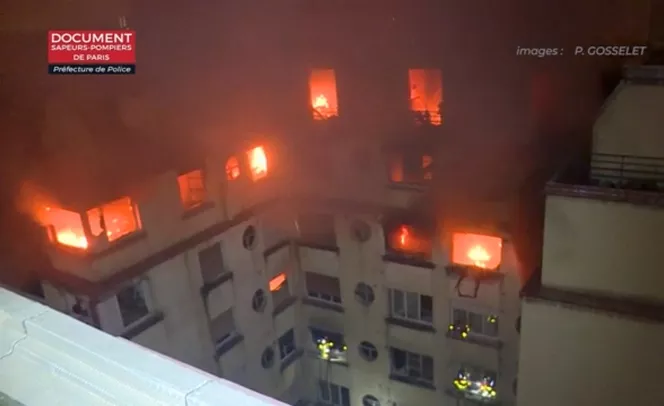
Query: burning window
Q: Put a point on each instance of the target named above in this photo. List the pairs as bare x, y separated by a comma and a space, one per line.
64, 227
232, 168
192, 189
117, 219
481, 251
411, 169
257, 163
406, 239
280, 290
277, 282
426, 95
476, 384
323, 92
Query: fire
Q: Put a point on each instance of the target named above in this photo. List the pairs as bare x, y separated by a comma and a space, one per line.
406, 239
257, 163
481, 251
426, 93
232, 168
323, 93
65, 227
277, 282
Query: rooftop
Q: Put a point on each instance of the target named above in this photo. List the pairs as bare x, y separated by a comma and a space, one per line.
77, 364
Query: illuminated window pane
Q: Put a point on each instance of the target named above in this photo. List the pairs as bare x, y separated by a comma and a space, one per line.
323, 93
66, 227
426, 95
257, 163
192, 189
232, 168
119, 218
481, 251
407, 240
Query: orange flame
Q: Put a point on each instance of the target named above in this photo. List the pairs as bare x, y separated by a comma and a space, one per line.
277, 282
481, 251
257, 163
66, 226
232, 168
323, 93
321, 102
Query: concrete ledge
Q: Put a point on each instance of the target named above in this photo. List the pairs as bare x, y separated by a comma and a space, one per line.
47, 358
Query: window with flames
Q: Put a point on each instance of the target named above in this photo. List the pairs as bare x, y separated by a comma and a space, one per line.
411, 169
192, 189
410, 240
323, 94
426, 95
477, 250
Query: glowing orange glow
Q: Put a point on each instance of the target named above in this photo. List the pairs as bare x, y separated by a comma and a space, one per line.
257, 163
426, 93
481, 251
396, 169
65, 227
119, 218
277, 282
406, 239
427, 161
410, 171
232, 168
192, 189
323, 93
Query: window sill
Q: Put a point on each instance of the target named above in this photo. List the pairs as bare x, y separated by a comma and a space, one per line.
321, 304
290, 359
409, 186
276, 247
227, 345
478, 340
411, 324
196, 210
220, 280
462, 395
474, 272
142, 325
319, 246
316, 355
285, 304
120, 244
408, 260
413, 381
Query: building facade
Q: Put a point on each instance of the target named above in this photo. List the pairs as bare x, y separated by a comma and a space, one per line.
591, 331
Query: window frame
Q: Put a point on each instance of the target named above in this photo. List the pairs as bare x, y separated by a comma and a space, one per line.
333, 388
208, 249
338, 338
323, 297
205, 192
218, 343
474, 331
144, 287
410, 358
393, 293
286, 347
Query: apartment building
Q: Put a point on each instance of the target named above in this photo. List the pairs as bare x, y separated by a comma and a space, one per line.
592, 332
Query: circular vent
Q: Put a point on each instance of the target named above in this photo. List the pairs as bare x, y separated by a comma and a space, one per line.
361, 231
370, 400
364, 294
258, 301
267, 358
368, 351
249, 237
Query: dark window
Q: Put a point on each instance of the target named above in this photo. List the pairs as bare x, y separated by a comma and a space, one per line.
322, 287
317, 229
211, 263
222, 327
249, 237
258, 300
364, 294
334, 395
133, 303
267, 358
411, 365
368, 351
286, 344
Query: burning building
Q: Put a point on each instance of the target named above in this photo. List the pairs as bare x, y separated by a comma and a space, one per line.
596, 318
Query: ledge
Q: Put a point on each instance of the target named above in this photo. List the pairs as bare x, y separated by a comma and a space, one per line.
144, 324
227, 346
412, 381
639, 197
460, 395
77, 364
413, 325
411, 261
221, 279
276, 247
194, 211
481, 341
335, 307
479, 274
318, 246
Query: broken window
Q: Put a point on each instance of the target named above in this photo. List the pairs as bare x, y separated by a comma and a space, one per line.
117, 218
410, 168
232, 168
426, 95
64, 227
192, 189
481, 251
257, 163
323, 93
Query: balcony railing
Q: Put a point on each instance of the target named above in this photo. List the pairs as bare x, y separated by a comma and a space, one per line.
625, 170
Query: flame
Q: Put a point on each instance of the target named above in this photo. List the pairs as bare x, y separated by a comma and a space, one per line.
426, 93
66, 226
232, 168
321, 102
481, 251
257, 163
277, 282
479, 256
406, 239
404, 236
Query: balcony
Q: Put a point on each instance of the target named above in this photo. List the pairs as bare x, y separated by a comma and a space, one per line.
614, 178
77, 364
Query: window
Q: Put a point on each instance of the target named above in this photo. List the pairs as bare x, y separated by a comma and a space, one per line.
286, 344
322, 287
480, 251
232, 168
192, 189
368, 351
330, 346
411, 366
410, 168
64, 227
410, 241
222, 327
211, 262
476, 383
323, 94
316, 228
472, 323
280, 289
249, 237
134, 303
426, 95
364, 294
117, 218
370, 400
258, 301
411, 306
333, 395
267, 358
258, 164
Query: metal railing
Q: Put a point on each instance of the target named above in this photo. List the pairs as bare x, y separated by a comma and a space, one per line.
626, 170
